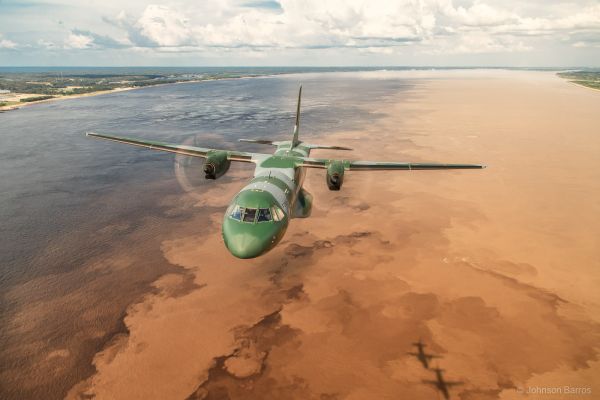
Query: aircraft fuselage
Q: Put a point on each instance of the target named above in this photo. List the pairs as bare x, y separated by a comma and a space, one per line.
258, 216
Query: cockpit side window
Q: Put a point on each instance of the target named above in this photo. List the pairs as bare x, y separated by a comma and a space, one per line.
237, 213
278, 214
264, 215
249, 214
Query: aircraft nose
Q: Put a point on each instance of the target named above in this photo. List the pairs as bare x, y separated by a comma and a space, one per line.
246, 245
247, 241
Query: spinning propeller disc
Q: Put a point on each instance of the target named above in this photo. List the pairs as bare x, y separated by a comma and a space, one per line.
189, 173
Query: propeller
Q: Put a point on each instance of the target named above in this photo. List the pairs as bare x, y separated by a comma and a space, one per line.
190, 171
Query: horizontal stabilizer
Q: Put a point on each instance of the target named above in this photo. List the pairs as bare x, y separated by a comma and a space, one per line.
259, 141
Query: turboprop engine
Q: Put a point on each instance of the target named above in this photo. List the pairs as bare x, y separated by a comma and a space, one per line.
216, 164
335, 175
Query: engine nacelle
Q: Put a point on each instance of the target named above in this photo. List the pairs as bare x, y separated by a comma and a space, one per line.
335, 175
216, 164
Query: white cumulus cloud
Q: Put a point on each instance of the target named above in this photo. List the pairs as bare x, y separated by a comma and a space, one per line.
7, 44
165, 26
78, 41
270, 29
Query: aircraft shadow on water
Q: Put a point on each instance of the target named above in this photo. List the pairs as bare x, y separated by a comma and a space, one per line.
421, 355
259, 214
440, 383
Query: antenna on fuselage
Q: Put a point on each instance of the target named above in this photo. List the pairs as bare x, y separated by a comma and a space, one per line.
295, 140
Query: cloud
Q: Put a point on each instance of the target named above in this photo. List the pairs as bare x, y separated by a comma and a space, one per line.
165, 26
78, 41
318, 24
157, 26
309, 27
98, 41
480, 43
135, 36
479, 15
586, 19
7, 44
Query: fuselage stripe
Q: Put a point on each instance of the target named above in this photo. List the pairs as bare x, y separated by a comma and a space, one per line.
280, 196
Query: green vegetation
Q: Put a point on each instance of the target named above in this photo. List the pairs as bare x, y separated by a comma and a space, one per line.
53, 85
8, 103
59, 84
36, 98
585, 78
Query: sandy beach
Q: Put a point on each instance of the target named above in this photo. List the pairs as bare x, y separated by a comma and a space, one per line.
18, 96
496, 270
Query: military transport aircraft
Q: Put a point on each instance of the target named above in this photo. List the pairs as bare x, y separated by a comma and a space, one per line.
441, 384
421, 355
259, 214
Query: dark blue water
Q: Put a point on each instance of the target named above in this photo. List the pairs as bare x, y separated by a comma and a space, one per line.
61, 193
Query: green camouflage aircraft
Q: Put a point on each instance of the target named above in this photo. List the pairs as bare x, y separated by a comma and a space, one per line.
259, 214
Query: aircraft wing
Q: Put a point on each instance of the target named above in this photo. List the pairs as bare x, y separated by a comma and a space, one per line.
174, 148
383, 165
453, 383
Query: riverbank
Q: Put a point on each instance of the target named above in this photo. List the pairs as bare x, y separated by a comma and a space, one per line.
24, 86
16, 104
588, 79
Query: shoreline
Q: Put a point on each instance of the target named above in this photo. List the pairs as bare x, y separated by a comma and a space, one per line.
67, 97
579, 84
13, 107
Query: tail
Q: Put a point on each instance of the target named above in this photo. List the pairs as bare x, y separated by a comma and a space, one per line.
295, 140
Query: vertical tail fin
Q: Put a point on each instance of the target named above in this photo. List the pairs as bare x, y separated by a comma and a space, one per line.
295, 140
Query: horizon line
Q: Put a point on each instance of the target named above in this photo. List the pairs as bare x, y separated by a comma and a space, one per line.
310, 66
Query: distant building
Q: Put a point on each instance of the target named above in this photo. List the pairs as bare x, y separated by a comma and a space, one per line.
4, 91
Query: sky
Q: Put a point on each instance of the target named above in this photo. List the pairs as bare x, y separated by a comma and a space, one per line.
532, 33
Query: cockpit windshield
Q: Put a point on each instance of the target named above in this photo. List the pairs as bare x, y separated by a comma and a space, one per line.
251, 215
264, 214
